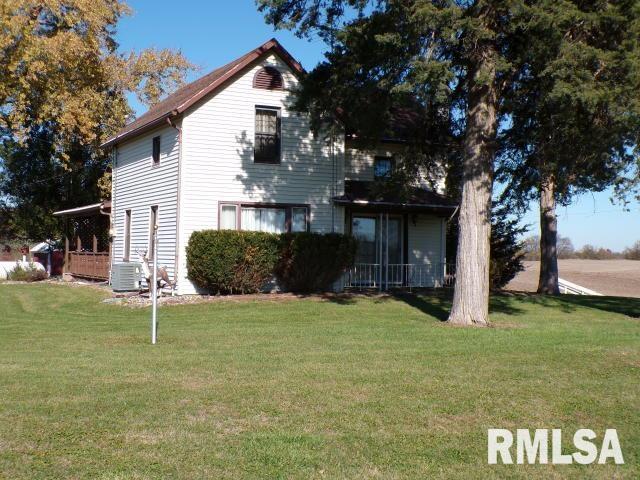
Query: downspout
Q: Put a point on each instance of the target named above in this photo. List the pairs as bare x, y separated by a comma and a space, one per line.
112, 223
177, 251
334, 180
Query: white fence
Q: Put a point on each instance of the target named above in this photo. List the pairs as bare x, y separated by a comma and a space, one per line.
400, 275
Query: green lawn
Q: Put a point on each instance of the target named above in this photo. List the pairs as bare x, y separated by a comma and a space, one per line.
356, 388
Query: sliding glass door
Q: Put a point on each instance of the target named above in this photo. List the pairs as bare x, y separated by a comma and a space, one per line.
379, 254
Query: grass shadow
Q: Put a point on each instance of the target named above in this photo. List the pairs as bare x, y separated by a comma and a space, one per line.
437, 303
628, 306
622, 305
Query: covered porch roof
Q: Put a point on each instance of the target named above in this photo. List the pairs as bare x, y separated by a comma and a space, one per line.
363, 196
85, 210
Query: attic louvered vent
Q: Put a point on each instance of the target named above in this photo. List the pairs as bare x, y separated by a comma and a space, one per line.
268, 78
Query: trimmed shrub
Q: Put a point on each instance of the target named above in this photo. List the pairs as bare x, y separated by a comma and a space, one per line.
26, 274
229, 261
311, 262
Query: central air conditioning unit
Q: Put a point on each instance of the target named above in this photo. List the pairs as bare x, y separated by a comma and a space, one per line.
126, 277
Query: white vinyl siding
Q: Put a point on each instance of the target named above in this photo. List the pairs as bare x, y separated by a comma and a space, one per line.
218, 163
359, 164
426, 243
137, 185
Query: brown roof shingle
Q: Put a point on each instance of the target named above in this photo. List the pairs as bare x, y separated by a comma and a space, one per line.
184, 97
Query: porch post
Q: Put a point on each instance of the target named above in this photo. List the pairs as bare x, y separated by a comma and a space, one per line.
387, 251
65, 267
380, 253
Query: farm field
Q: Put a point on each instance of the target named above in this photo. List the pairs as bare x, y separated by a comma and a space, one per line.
349, 387
609, 277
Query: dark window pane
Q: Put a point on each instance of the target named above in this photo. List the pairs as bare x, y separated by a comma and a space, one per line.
156, 150
382, 167
365, 231
153, 221
267, 136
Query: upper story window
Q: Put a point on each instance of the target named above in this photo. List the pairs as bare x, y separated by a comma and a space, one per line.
268, 78
382, 167
267, 135
156, 150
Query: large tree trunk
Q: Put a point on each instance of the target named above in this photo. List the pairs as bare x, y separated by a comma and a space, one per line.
471, 294
548, 282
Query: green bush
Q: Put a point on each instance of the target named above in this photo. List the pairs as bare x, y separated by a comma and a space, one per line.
311, 262
228, 261
26, 274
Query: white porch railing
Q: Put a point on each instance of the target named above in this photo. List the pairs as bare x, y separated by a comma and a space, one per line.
399, 275
567, 287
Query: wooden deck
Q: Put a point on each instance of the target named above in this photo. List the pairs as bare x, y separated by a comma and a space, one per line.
94, 265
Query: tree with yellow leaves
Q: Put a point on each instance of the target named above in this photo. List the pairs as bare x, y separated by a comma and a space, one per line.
64, 82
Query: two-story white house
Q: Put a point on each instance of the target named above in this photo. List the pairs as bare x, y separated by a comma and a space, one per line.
227, 152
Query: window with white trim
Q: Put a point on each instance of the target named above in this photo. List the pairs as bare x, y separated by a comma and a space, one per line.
263, 219
228, 217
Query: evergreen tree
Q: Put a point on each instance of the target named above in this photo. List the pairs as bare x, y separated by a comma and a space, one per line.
574, 113
506, 246
455, 59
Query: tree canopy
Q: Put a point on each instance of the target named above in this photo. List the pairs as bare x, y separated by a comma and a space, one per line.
60, 65
450, 61
63, 92
468, 67
574, 116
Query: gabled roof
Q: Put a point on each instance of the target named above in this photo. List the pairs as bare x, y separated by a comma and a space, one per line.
183, 98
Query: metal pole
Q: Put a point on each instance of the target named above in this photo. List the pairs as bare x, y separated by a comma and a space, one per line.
154, 288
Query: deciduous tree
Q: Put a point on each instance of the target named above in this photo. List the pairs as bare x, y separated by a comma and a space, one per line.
63, 92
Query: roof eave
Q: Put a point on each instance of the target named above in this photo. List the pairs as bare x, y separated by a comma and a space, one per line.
367, 203
95, 207
137, 131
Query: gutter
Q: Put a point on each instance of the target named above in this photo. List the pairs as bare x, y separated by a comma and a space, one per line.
142, 128
395, 204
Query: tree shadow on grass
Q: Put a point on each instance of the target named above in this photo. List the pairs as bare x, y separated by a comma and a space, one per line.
437, 303
622, 305
569, 303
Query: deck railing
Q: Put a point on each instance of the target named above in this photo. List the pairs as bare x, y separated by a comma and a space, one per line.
569, 288
93, 265
400, 275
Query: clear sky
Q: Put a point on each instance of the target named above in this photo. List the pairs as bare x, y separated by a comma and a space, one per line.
212, 33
